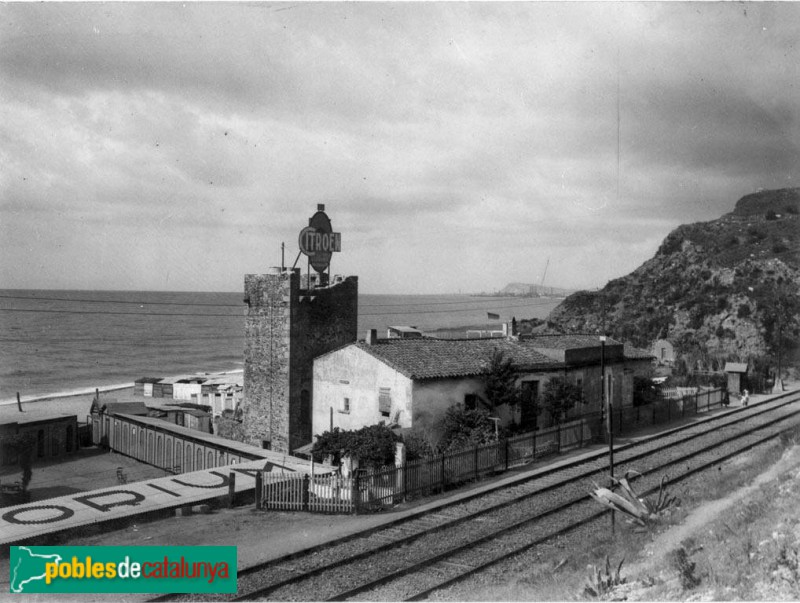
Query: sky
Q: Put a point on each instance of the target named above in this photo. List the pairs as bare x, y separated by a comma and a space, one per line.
456, 146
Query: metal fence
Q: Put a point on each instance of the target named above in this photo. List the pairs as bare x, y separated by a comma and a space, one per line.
376, 489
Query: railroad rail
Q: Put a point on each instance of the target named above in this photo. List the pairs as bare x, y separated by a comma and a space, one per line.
412, 557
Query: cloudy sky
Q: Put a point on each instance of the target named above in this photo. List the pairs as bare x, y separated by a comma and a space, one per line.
456, 146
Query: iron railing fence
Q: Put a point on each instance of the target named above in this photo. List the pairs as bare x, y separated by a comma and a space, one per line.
375, 489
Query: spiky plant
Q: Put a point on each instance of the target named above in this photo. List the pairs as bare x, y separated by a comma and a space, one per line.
640, 511
602, 581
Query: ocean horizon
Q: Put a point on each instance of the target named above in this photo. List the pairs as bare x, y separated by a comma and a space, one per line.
57, 342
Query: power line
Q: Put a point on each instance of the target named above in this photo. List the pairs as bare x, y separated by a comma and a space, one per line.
115, 313
119, 313
488, 300
118, 301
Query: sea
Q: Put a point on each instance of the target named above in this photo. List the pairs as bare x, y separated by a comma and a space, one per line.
55, 343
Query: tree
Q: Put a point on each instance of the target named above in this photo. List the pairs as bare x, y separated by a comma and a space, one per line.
464, 427
23, 447
373, 445
499, 382
559, 397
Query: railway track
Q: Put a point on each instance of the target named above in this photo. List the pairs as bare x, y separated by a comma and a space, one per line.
413, 557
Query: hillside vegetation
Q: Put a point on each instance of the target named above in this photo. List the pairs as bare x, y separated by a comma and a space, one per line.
720, 290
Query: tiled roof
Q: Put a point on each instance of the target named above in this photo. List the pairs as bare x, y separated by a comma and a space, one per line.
440, 358
568, 342
632, 353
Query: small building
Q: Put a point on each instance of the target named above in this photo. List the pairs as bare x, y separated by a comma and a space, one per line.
403, 333
113, 406
736, 372
192, 418
55, 435
664, 352
410, 383
146, 387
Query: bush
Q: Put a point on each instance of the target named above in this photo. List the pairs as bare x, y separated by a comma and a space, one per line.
464, 428
559, 397
744, 311
373, 445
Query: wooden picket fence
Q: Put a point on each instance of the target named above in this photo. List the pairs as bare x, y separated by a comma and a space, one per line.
377, 489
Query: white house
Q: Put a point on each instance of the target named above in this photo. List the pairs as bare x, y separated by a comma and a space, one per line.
412, 382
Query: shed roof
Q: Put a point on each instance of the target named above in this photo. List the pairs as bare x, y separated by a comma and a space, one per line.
441, 358
633, 353
129, 408
735, 367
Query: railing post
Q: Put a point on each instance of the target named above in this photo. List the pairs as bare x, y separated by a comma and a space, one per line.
355, 493
507, 451
558, 439
533, 451
306, 494
475, 461
231, 490
441, 474
259, 488
580, 434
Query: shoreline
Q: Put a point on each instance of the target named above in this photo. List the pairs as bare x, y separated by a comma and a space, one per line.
88, 391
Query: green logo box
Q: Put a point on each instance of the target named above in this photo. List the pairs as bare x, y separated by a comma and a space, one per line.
122, 569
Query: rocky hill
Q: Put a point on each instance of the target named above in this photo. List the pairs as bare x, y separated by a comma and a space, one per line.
726, 289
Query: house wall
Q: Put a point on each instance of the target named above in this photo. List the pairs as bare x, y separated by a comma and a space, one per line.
432, 398
664, 351
353, 373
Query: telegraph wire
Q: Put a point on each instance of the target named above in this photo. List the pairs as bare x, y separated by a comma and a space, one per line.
397, 312
488, 300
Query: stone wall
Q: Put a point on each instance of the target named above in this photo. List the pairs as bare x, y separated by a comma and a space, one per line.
286, 327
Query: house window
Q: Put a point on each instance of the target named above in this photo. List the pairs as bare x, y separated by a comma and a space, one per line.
346, 405
470, 401
385, 401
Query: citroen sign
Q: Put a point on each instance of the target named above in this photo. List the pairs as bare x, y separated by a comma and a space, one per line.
318, 241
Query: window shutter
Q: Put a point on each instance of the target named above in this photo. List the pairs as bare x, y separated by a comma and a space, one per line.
385, 399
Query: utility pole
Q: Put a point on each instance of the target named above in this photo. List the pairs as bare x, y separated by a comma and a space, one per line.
606, 401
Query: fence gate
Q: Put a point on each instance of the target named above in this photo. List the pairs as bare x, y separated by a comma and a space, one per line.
328, 493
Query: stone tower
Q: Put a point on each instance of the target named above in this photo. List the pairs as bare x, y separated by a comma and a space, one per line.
288, 324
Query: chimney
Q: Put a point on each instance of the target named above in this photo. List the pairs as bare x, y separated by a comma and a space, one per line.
372, 337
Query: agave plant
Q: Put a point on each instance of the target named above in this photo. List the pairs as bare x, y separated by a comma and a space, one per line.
601, 582
640, 511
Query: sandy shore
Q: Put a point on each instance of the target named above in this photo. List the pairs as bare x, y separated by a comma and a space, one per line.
76, 404
79, 402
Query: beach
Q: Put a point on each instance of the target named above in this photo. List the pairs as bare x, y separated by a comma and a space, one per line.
75, 403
